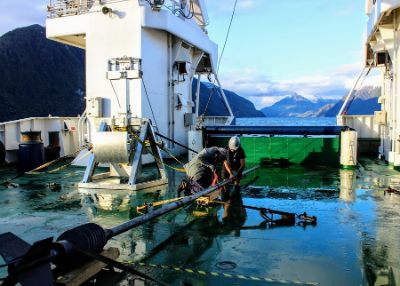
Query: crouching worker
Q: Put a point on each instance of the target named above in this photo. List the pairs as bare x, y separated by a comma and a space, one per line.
201, 170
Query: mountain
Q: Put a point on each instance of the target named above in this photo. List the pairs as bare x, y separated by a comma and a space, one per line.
365, 102
322, 111
240, 106
297, 106
39, 77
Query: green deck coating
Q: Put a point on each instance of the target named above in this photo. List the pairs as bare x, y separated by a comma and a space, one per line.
347, 167
296, 150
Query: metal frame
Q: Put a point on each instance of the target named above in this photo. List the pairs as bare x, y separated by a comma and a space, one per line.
146, 132
91, 181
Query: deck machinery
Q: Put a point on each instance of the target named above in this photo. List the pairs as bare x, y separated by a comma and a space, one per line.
141, 57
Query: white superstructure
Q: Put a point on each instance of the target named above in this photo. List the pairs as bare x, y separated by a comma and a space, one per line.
382, 46
141, 57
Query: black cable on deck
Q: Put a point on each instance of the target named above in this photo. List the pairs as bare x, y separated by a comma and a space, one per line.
177, 143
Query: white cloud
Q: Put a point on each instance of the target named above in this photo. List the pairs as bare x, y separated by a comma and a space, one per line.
263, 91
265, 100
246, 4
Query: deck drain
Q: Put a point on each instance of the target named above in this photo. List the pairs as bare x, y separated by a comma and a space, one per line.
226, 265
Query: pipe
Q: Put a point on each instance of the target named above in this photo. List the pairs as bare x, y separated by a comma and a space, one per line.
167, 208
350, 93
128, 99
395, 80
231, 116
169, 85
198, 95
90, 127
80, 127
173, 115
171, 104
275, 130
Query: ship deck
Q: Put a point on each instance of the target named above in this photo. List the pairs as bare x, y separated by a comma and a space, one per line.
355, 241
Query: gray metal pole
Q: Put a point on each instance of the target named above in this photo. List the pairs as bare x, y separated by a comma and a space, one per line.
350, 93
167, 208
228, 106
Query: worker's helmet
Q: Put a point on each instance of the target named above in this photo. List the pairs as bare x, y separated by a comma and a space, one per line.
234, 143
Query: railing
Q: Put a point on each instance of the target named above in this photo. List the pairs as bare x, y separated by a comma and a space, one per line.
60, 8
364, 125
173, 5
215, 120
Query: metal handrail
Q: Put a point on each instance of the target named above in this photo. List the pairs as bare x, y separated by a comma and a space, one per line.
60, 8
81, 120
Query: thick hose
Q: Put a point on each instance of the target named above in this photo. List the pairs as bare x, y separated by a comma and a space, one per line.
167, 208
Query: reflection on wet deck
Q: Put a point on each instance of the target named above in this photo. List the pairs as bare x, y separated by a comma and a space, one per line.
355, 241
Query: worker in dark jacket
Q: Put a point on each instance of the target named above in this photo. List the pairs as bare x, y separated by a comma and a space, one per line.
202, 169
236, 160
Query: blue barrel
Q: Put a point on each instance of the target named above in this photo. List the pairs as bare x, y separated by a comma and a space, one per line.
30, 155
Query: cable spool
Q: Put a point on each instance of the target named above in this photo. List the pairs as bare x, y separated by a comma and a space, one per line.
111, 147
88, 237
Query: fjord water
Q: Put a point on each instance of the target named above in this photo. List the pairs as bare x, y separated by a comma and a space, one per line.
355, 241
287, 121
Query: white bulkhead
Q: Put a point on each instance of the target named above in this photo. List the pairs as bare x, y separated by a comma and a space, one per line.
141, 57
382, 52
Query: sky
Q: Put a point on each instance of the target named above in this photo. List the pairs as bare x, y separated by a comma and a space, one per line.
275, 47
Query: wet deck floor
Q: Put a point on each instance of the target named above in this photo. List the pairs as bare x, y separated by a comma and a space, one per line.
354, 243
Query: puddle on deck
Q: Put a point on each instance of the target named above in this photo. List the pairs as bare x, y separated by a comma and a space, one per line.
354, 243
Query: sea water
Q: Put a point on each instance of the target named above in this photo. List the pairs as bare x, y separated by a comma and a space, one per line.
355, 240
287, 121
